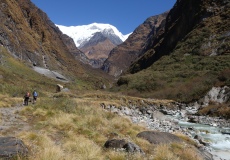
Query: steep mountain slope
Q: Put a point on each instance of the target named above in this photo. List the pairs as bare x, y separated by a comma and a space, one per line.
96, 40
28, 33
189, 57
122, 56
97, 49
30, 37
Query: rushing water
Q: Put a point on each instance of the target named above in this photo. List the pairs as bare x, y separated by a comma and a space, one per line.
219, 143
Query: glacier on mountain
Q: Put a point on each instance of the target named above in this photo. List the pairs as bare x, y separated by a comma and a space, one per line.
82, 34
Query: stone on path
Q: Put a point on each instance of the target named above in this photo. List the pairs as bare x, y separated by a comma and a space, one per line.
11, 147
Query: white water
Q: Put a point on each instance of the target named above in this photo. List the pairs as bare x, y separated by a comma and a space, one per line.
219, 143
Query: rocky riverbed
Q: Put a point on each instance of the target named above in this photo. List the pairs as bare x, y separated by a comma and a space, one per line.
154, 119
161, 118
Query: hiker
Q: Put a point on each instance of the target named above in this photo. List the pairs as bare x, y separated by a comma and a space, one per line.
35, 95
26, 98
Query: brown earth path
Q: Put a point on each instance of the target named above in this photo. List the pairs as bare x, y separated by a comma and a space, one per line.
11, 122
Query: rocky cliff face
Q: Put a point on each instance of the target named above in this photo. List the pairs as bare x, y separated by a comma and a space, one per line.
122, 56
203, 20
29, 35
79, 55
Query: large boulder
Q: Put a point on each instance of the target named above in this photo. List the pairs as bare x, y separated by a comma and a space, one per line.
11, 147
158, 137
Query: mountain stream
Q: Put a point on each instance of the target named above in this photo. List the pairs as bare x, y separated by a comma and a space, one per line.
218, 138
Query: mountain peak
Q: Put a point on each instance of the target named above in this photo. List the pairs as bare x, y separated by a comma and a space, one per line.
83, 33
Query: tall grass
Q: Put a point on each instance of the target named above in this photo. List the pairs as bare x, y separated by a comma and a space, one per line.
8, 101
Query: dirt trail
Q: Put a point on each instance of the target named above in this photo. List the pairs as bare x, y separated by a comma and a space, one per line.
11, 123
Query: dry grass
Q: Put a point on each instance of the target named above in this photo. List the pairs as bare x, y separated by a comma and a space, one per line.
186, 139
42, 147
82, 148
114, 155
176, 151
216, 110
163, 152
7, 101
77, 128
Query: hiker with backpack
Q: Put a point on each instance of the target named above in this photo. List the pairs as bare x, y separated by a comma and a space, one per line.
26, 98
35, 95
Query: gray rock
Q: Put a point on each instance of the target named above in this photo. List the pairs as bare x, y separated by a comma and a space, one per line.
217, 94
132, 148
115, 143
206, 155
126, 111
65, 90
198, 137
159, 137
193, 119
10, 147
121, 144
201, 140
158, 115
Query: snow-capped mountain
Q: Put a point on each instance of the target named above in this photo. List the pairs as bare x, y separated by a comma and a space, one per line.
82, 34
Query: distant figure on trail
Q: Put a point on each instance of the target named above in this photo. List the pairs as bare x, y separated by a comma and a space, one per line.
26, 98
35, 95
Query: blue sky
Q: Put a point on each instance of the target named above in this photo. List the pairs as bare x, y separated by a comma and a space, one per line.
125, 15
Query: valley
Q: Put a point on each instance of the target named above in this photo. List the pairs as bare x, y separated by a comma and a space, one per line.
160, 92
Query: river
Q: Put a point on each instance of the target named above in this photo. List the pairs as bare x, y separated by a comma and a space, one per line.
219, 143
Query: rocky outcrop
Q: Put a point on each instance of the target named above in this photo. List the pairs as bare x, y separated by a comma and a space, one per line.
121, 57
12, 148
217, 94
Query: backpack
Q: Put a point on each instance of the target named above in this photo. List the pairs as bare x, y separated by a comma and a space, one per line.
35, 94
28, 94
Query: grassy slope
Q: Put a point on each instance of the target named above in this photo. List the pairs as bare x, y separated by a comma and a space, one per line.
182, 78
16, 78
